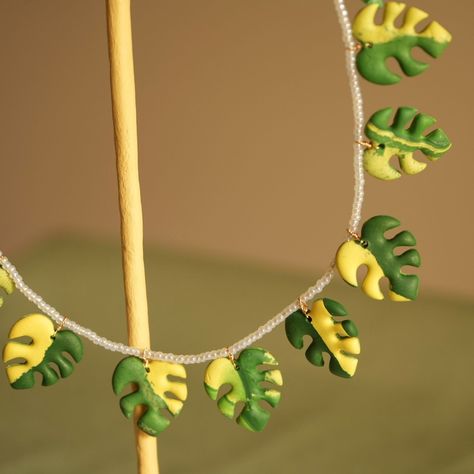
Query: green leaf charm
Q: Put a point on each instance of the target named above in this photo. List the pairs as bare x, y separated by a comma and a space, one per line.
376, 252
6, 284
402, 138
380, 42
44, 354
246, 379
152, 391
338, 339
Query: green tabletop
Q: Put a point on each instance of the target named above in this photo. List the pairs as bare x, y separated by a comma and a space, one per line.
407, 410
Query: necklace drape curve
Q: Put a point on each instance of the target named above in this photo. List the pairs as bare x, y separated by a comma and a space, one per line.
351, 50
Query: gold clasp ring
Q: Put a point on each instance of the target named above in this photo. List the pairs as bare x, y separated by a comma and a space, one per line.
304, 308
231, 357
60, 327
146, 360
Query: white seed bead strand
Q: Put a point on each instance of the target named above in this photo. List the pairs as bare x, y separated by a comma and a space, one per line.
309, 294
109, 345
359, 123
358, 111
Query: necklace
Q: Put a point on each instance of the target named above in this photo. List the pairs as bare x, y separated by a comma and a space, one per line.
237, 364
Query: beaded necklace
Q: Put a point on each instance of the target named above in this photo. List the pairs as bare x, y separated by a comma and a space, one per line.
367, 47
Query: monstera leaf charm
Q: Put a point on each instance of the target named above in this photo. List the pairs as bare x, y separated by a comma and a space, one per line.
152, 391
6, 284
245, 378
44, 354
338, 339
380, 42
376, 252
402, 141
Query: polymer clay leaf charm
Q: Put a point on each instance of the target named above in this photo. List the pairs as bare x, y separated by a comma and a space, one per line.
154, 391
380, 42
245, 378
44, 354
401, 138
338, 339
376, 252
6, 284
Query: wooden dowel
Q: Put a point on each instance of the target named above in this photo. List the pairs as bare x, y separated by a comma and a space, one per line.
122, 80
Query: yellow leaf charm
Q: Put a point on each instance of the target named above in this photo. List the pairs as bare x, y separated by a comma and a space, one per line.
336, 338
376, 252
44, 354
153, 390
383, 41
245, 377
401, 139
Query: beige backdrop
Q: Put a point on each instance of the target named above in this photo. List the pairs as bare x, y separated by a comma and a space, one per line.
245, 131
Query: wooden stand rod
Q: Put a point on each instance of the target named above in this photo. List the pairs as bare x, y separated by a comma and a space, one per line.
126, 147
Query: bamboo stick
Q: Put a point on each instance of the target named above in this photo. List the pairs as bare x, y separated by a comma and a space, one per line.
122, 80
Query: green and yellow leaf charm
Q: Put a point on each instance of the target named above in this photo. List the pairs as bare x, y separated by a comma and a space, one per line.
377, 253
383, 41
401, 138
154, 391
338, 339
246, 380
44, 354
6, 284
